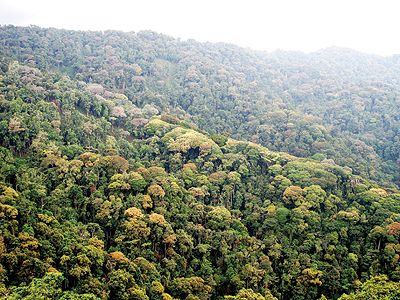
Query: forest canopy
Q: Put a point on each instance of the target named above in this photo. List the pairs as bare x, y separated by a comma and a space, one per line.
138, 166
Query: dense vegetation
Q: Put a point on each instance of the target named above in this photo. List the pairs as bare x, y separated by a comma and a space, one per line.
137, 166
336, 103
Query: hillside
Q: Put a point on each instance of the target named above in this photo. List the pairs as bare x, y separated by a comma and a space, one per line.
137, 166
336, 103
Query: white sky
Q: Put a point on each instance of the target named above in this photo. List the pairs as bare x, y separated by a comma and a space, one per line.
305, 25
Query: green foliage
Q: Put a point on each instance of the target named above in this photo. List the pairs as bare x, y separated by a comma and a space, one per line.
111, 188
219, 139
169, 119
376, 287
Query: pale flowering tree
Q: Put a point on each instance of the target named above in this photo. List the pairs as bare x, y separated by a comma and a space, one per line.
138, 69
135, 111
139, 121
108, 94
150, 110
118, 112
100, 98
24, 70
95, 88
30, 78
138, 78
37, 89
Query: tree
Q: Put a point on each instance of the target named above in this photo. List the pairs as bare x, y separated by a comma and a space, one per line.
308, 282
293, 196
136, 229
252, 276
219, 139
137, 182
377, 287
156, 191
249, 294
121, 284
188, 288
48, 287
219, 218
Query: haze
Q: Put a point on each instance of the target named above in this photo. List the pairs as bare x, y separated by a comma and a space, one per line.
305, 26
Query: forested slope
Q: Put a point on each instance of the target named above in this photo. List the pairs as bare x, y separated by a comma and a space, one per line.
125, 174
336, 103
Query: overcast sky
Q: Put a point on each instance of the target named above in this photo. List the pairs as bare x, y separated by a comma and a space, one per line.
305, 25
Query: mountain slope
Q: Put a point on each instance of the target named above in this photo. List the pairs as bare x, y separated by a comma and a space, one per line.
277, 99
119, 182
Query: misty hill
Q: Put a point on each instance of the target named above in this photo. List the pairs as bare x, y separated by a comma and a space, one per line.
138, 166
326, 104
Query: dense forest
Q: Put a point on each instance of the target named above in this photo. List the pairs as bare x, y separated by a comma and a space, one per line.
139, 166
